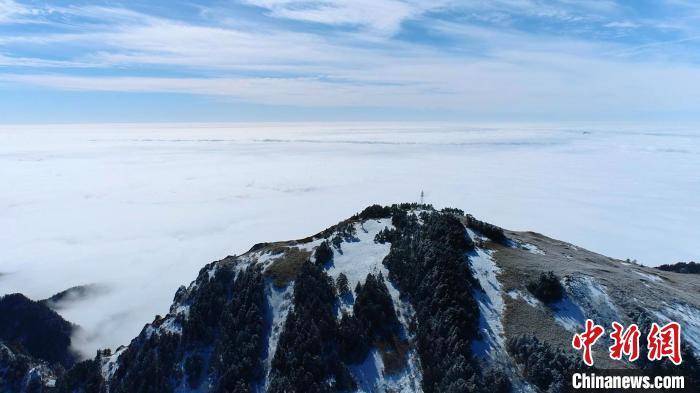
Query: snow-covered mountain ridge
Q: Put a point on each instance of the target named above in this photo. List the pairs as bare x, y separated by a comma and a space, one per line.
395, 299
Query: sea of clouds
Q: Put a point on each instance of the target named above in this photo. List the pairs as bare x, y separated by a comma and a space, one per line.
139, 209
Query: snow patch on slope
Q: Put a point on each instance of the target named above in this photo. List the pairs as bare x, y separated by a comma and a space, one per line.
109, 364
368, 374
532, 248
170, 325
529, 299
41, 373
585, 296
370, 377
309, 246
265, 259
689, 319
490, 304
212, 270
280, 303
491, 308
568, 314
649, 277
362, 256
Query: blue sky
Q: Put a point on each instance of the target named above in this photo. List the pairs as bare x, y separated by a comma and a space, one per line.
278, 60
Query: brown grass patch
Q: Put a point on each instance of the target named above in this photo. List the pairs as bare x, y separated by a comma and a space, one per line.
285, 268
276, 249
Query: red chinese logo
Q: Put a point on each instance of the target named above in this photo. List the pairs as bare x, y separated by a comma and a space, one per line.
662, 342
665, 342
624, 342
585, 340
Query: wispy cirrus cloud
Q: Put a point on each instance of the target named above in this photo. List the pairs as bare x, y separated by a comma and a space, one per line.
483, 87
490, 56
12, 11
379, 16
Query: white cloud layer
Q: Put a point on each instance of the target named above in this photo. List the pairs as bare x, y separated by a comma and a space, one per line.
141, 208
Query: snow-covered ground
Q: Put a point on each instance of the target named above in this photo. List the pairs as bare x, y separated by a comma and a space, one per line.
688, 317
359, 257
108, 364
568, 314
280, 301
532, 248
490, 303
593, 299
141, 208
362, 256
649, 277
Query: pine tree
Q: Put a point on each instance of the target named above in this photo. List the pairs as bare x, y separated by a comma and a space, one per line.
323, 253
547, 288
342, 285
307, 356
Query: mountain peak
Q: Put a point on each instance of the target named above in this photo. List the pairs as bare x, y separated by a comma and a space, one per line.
396, 298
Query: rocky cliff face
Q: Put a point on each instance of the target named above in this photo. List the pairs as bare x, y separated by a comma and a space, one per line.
397, 299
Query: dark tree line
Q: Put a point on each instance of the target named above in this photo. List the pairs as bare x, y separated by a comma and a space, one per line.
38, 337
226, 314
428, 263
237, 357
149, 364
342, 285
208, 304
323, 254
379, 211
84, 377
375, 212
545, 367
353, 344
372, 323
547, 288
14, 368
375, 310
681, 267
343, 228
36, 329
491, 231
344, 232
306, 358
